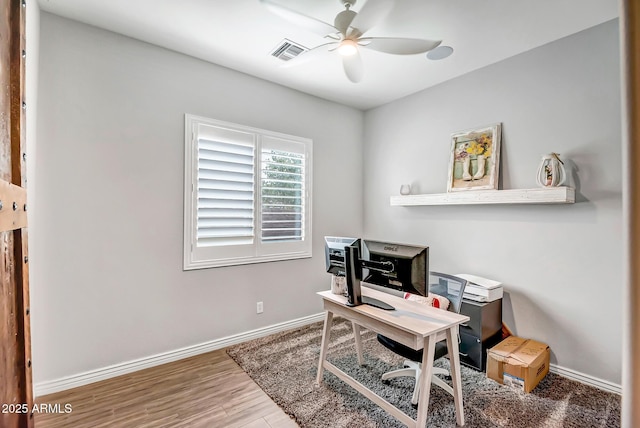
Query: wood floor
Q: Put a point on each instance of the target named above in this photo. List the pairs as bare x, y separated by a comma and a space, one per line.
208, 390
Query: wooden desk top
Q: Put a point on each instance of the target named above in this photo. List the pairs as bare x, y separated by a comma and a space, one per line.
415, 318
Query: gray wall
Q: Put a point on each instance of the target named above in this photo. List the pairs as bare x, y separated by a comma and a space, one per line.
106, 278
561, 265
106, 268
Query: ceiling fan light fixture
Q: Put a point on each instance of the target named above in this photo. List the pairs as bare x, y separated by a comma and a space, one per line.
348, 47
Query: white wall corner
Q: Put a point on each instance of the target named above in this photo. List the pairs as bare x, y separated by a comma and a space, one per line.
602, 384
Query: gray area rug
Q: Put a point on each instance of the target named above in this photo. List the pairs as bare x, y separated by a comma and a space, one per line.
284, 365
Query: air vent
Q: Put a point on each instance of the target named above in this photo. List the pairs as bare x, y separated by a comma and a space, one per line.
288, 50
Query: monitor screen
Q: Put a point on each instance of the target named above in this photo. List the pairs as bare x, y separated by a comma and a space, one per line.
399, 267
334, 253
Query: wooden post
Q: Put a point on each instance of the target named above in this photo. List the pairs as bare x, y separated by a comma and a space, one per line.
630, 31
16, 389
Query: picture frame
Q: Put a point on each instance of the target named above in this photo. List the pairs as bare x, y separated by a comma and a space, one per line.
475, 159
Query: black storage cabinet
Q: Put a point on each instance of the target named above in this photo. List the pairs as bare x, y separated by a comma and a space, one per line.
481, 332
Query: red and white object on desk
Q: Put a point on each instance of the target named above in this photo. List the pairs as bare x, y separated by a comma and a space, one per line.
434, 300
481, 289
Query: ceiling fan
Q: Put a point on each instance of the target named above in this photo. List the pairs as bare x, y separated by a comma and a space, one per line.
347, 34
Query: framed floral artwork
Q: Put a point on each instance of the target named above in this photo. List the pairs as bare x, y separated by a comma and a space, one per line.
475, 159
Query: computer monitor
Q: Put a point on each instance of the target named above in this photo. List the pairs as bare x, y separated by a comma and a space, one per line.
407, 266
334, 253
398, 267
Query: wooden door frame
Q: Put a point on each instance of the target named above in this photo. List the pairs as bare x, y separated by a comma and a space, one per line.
16, 386
630, 61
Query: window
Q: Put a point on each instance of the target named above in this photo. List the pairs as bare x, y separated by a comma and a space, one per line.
247, 195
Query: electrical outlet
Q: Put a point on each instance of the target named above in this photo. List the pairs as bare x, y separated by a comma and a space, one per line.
259, 308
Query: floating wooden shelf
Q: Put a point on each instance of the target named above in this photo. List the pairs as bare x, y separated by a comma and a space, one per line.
547, 195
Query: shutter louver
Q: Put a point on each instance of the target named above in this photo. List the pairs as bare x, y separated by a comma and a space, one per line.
225, 206
282, 195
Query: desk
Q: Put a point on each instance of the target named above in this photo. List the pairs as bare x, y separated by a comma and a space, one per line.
412, 324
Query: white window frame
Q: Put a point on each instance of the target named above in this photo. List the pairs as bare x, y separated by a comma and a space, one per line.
257, 252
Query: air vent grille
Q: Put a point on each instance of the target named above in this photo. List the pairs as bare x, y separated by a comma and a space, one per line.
287, 50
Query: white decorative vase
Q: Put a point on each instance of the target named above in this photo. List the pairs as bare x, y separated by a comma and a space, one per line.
338, 284
551, 171
405, 189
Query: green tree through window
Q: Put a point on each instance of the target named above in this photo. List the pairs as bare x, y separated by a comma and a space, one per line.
282, 196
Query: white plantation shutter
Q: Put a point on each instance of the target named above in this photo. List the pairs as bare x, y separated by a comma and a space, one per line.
225, 193
247, 195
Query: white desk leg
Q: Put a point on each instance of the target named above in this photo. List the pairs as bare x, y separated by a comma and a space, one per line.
454, 361
326, 333
356, 334
425, 380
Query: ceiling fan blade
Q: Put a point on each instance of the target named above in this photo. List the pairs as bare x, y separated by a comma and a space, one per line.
353, 67
398, 46
343, 21
371, 14
299, 19
310, 55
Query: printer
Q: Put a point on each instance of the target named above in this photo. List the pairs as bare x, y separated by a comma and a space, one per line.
481, 289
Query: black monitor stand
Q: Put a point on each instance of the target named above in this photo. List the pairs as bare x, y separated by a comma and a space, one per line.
377, 303
354, 276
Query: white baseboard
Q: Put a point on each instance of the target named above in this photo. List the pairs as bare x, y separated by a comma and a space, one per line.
586, 379
80, 379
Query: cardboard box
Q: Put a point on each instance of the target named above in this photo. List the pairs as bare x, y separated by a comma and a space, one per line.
517, 362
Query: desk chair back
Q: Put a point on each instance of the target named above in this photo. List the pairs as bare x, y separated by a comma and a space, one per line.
448, 286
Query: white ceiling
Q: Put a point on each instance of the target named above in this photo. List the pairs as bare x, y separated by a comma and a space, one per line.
241, 34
